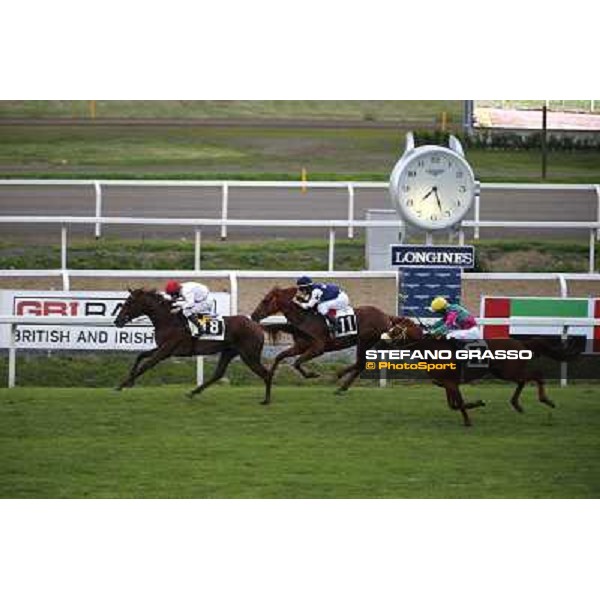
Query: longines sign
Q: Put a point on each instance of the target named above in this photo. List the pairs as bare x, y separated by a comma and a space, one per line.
404, 255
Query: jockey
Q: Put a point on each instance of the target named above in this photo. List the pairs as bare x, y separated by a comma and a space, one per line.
193, 299
327, 297
456, 321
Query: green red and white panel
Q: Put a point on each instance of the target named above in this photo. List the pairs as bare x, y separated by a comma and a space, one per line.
500, 307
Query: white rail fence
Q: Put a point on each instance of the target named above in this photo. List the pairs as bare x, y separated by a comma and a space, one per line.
15, 321
225, 186
66, 275
331, 225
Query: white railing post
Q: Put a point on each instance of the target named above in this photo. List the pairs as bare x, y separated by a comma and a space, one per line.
63, 246
563, 364
331, 256
477, 210
197, 246
562, 282
199, 370
461, 237
12, 358
98, 188
598, 211
224, 209
350, 210
592, 251
66, 281
233, 290
429, 238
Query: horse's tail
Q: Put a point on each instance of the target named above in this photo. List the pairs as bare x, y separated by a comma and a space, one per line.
274, 330
562, 351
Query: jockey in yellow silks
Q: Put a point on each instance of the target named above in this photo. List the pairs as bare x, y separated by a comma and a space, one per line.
455, 322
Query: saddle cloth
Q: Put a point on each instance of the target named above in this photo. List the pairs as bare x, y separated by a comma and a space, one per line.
346, 323
215, 329
480, 345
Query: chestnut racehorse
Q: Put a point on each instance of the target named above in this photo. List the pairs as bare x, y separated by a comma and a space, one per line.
311, 335
242, 337
412, 336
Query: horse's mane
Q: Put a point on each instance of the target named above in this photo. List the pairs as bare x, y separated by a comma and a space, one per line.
154, 293
405, 321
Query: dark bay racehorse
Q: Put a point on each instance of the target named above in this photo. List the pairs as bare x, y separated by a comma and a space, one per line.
411, 336
243, 337
311, 335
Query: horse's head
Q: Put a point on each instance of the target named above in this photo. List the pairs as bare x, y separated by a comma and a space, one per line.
402, 330
275, 301
133, 307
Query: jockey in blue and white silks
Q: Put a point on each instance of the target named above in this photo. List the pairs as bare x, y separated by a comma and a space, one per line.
328, 298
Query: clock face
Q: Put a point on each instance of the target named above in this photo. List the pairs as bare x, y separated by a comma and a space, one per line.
434, 188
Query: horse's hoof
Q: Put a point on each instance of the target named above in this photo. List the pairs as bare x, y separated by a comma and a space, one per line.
265, 403
312, 375
340, 392
549, 403
190, 395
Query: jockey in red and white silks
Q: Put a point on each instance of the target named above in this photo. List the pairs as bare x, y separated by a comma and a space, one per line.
194, 301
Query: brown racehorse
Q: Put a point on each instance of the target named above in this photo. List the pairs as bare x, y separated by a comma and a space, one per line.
243, 337
411, 336
311, 335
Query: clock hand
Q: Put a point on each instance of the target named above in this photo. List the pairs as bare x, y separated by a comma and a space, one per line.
438, 199
433, 189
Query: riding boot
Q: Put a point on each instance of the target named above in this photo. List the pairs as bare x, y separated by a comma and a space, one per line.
199, 322
331, 321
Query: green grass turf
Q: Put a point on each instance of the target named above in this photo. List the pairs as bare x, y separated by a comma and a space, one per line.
367, 110
311, 255
401, 442
250, 153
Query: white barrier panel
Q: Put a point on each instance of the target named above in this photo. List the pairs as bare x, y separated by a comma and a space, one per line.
86, 304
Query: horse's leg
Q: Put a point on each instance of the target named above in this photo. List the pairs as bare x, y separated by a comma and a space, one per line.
252, 360
456, 401
345, 371
474, 404
226, 357
306, 374
515, 397
357, 368
291, 351
128, 381
299, 348
159, 355
542, 397
311, 352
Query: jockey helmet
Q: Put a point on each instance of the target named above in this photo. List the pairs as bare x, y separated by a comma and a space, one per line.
304, 281
438, 304
172, 287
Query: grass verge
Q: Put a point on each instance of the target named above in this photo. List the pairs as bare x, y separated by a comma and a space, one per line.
310, 255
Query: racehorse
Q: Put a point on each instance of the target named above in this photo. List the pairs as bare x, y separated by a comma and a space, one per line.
410, 335
311, 335
242, 337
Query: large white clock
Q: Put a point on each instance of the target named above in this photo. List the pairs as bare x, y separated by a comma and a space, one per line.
432, 187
